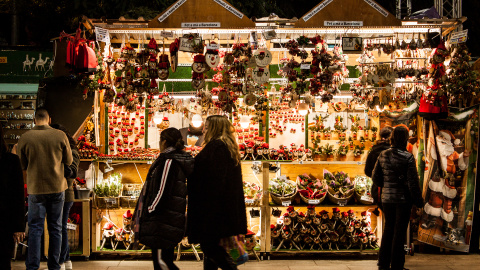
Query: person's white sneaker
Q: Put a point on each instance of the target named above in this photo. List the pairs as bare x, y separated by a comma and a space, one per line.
68, 265
62, 266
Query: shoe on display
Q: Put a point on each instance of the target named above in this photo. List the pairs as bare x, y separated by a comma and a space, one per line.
68, 265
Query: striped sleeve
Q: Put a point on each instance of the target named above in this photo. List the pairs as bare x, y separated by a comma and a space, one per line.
163, 181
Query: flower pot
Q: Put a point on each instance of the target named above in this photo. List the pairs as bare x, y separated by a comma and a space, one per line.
357, 158
342, 157
330, 157
354, 136
322, 135
323, 157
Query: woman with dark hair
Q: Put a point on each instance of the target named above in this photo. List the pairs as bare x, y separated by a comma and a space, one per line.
216, 205
12, 203
160, 212
70, 173
396, 173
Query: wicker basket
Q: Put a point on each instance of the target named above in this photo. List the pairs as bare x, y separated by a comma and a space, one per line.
129, 190
362, 200
279, 199
128, 201
336, 200
307, 200
256, 202
107, 202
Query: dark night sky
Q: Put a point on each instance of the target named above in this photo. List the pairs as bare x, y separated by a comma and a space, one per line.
43, 19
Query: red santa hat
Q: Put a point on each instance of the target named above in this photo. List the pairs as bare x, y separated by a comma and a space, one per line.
350, 211
441, 49
365, 213
344, 214
336, 210
108, 226
324, 212
199, 58
152, 44
301, 214
252, 233
290, 209
127, 214
311, 206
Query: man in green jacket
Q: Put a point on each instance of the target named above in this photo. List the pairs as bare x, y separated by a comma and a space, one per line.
43, 152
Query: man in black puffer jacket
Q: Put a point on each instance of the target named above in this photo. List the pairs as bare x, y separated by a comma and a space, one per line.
396, 172
160, 212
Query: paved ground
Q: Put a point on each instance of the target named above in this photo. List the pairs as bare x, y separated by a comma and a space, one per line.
417, 262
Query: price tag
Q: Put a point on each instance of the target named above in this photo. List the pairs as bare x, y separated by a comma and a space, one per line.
249, 200
149, 162
359, 163
313, 201
257, 163
133, 197
82, 188
305, 66
110, 200
71, 226
286, 203
300, 162
342, 202
166, 34
109, 161
367, 198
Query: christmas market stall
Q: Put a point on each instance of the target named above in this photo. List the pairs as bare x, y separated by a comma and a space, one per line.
307, 99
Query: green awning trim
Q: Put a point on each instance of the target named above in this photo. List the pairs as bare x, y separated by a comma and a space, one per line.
18, 88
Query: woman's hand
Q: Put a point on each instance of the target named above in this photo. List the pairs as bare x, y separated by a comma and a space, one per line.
18, 236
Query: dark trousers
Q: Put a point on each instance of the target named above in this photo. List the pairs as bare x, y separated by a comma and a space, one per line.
392, 253
215, 256
6, 249
163, 259
65, 249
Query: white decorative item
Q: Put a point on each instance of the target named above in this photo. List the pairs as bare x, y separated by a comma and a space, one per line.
261, 75
263, 57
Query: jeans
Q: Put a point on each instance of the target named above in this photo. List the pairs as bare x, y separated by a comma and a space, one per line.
163, 258
39, 206
216, 256
392, 253
65, 250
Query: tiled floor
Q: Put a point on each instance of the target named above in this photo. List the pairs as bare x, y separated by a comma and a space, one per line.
417, 262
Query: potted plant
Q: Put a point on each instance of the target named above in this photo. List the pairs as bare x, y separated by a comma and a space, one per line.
342, 152
329, 152
310, 188
340, 188
339, 129
354, 130
374, 133
358, 152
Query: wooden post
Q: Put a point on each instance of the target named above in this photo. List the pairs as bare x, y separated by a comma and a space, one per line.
265, 223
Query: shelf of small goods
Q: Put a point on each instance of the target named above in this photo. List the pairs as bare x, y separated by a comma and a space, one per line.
303, 133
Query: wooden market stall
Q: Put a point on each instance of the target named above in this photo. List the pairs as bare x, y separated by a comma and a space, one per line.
217, 21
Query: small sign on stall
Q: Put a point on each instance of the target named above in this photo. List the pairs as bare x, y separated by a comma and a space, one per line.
286, 203
200, 24
166, 34
459, 37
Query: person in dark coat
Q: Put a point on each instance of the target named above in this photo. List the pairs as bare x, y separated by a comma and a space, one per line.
380, 146
160, 211
396, 173
12, 203
70, 173
216, 204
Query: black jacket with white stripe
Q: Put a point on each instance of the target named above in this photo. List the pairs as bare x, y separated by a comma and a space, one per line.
162, 217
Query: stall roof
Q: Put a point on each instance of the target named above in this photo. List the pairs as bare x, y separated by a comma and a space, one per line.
350, 13
201, 14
